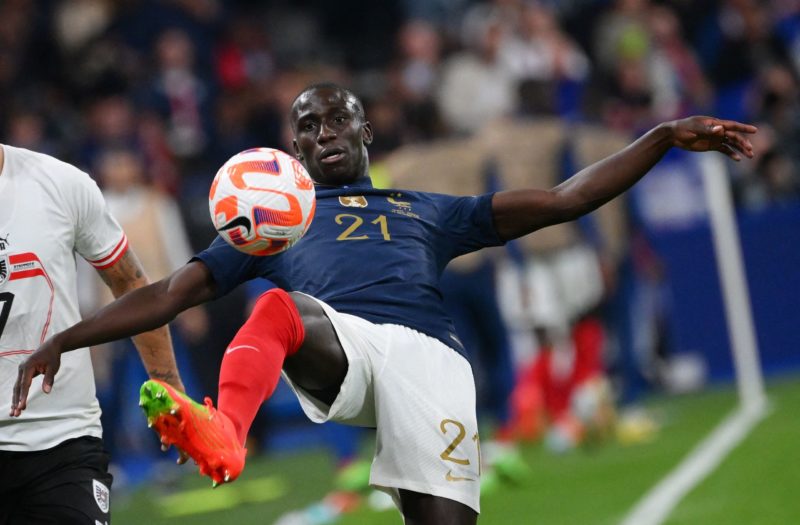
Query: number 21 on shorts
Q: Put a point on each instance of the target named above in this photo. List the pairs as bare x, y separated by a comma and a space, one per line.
456, 428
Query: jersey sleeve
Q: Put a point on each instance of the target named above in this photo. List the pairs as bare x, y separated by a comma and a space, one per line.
228, 266
467, 223
98, 236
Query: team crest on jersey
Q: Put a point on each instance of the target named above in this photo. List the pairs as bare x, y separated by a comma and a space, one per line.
356, 201
394, 199
101, 495
3, 268
401, 207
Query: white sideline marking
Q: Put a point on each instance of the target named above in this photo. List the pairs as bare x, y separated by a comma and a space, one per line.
657, 504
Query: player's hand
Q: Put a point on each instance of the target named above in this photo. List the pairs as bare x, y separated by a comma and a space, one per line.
712, 134
45, 360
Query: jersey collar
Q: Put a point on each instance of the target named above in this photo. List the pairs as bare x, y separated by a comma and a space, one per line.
363, 182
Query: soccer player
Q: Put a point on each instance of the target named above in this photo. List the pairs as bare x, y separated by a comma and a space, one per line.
362, 338
53, 466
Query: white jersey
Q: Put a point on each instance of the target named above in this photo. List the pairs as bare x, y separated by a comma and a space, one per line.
49, 211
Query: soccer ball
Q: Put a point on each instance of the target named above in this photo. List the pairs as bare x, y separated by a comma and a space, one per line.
262, 201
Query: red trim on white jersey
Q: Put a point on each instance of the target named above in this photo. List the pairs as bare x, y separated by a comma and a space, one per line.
115, 255
15, 352
25, 266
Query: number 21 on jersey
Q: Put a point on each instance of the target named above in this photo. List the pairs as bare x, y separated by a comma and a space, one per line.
356, 230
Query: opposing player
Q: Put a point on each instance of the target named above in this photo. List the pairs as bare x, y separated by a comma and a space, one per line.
53, 467
367, 341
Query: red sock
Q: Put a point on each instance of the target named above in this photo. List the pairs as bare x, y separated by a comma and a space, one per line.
252, 362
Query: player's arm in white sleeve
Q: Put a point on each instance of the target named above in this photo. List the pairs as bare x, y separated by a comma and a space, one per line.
100, 240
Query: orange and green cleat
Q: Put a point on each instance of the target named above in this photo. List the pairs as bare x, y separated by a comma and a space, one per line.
205, 434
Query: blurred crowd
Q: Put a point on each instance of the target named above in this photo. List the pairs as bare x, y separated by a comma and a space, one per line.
152, 96
185, 84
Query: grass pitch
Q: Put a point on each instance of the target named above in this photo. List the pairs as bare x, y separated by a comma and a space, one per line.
757, 484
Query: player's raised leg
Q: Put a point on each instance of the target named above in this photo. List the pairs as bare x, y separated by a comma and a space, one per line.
202, 432
282, 332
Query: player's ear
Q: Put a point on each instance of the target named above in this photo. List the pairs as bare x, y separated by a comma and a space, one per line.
297, 150
366, 133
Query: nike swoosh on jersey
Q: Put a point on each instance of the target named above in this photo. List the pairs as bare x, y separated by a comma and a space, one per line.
450, 477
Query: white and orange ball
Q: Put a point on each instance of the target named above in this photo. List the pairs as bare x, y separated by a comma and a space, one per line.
262, 201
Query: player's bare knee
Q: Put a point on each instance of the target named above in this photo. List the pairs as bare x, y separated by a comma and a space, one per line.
309, 309
318, 328
320, 337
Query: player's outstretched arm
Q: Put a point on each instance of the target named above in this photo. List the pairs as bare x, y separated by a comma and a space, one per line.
141, 310
519, 212
155, 346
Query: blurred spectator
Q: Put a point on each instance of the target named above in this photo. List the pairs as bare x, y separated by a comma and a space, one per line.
162, 167
28, 129
78, 22
387, 120
110, 123
621, 34
776, 181
786, 16
365, 21
541, 50
650, 71
476, 85
138, 24
26, 47
232, 131
562, 393
778, 104
679, 85
245, 107
733, 42
420, 51
180, 95
644, 351
243, 56
627, 106
445, 14
413, 80
774, 178
541, 55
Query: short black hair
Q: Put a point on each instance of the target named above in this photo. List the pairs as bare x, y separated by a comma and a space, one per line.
334, 86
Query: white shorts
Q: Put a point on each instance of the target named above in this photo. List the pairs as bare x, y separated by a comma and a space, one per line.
420, 396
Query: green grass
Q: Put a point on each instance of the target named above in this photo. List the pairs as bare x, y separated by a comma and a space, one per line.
269, 487
593, 486
760, 481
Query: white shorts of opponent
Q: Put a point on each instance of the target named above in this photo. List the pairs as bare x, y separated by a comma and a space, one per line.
420, 396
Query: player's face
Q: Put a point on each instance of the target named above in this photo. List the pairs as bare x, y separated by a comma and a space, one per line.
331, 137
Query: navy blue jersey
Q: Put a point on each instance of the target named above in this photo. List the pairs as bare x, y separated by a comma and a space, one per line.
376, 254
